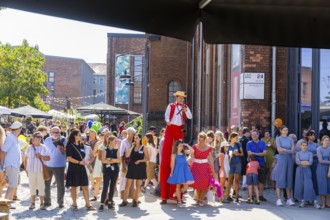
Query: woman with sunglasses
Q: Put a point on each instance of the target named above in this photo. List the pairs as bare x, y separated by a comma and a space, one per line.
35, 154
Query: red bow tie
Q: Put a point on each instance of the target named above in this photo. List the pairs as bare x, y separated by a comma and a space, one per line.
178, 104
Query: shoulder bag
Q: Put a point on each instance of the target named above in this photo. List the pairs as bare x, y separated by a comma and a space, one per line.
45, 172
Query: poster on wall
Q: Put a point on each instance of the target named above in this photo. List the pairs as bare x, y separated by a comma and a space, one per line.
235, 84
121, 90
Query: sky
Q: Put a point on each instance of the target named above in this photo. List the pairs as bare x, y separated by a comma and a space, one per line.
56, 36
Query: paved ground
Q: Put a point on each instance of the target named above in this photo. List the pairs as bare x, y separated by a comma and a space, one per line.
151, 209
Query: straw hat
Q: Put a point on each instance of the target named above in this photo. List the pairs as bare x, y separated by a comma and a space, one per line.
180, 93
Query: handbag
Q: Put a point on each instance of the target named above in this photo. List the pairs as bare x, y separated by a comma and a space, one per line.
45, 172
87, 170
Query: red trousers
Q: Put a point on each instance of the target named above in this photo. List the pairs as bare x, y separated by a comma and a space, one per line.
172, 134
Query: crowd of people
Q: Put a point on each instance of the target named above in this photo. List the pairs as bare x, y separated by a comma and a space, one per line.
84, 158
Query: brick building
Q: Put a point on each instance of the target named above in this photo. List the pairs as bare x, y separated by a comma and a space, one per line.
68, 77
233, 84
125, 56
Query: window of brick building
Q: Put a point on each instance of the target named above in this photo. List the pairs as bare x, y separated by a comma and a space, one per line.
101, 81
51, 77
137, 90
173, 86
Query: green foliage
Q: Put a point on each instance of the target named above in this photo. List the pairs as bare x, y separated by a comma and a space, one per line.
21, 77
79, 118
137, 124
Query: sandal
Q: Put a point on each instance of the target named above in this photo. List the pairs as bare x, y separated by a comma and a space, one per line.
90, 208
74, 207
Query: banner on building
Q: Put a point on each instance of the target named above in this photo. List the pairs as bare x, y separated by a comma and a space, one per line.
121, 90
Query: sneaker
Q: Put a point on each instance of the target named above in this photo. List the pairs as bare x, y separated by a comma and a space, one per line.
101, 209
257, 202
42, 207
60, 206
230, 199
279, 202
302, 204
290, 202
48, 204
316, 205
32, 206
237, 200
180, 204
263, 199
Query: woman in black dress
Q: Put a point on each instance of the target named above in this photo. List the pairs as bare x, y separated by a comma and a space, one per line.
138, 156
77, 174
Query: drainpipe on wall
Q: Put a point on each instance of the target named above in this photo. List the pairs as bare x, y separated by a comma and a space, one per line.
273, 116
200, 72
220, 85
192, 104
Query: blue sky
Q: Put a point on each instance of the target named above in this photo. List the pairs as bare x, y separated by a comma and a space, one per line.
56, 36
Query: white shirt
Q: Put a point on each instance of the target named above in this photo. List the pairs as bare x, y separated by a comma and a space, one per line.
13, 152
34, 165
125, 145
153, 153
177, 117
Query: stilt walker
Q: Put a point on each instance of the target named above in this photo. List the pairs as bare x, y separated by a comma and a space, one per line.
175, 117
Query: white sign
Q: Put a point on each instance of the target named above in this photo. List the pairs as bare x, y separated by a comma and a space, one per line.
252, 86
252, 91
252, 77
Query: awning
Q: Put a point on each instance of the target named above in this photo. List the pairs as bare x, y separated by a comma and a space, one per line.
293, 23
30, 111
4, 110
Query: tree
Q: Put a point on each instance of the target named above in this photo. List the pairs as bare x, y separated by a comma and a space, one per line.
21, 76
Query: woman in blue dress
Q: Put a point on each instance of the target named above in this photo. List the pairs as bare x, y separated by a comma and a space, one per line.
311, 147
323, 155
180, 172
303, 189
284, 167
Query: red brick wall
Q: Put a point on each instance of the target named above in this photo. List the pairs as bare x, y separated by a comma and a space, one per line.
281, 82
257, 59
122, 44
169, 60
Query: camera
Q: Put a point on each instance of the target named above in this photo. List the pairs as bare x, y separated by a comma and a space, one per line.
59, 142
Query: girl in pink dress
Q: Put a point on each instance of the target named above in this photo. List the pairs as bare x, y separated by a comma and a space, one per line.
202, 167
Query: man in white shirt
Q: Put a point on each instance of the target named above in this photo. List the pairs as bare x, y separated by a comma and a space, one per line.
175, 117
11, 158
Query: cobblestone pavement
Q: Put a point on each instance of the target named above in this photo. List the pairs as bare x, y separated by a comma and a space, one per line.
151, 209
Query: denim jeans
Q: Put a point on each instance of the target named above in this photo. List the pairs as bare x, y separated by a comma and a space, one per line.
109, 181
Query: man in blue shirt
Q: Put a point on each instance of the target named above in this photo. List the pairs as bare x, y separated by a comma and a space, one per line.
258, 148
11, 158
56, 165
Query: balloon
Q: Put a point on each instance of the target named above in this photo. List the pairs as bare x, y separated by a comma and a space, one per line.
89, 124
96, 126
278, 122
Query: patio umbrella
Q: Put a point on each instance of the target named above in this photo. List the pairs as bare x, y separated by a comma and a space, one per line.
294, 23
30, 111
4, 110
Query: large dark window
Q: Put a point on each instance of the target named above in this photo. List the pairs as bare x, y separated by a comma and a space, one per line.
173, 86
138, 68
